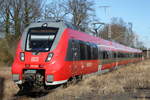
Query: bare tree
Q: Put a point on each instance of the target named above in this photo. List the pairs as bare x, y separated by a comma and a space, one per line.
1, 5
5, 16
32, 10
81, 11
7, 21
56, 10
140, 45
120, 32
23, 12
16, 15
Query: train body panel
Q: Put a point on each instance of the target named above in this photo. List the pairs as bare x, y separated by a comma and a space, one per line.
52, 53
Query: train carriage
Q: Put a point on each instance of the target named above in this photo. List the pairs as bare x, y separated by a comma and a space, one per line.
51, 53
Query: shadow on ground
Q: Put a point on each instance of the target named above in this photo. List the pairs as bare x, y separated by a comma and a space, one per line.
35, 93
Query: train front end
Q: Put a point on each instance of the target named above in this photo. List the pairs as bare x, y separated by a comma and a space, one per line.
40, 56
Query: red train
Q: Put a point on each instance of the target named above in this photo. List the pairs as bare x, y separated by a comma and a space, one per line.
52, 53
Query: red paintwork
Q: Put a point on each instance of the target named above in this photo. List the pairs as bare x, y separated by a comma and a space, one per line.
61, 69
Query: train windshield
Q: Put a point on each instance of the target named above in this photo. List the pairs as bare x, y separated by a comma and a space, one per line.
40, 39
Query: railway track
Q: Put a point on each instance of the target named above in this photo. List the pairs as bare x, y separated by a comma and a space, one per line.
139, 93
36, 94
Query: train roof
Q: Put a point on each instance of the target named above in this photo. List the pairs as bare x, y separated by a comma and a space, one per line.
102, 43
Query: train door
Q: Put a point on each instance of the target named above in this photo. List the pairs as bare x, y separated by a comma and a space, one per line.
116, 58
100, 55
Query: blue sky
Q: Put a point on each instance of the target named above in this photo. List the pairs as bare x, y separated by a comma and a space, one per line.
134, 11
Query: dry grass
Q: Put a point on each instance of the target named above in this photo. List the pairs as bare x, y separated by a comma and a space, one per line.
9, 87
132, 77
117, 82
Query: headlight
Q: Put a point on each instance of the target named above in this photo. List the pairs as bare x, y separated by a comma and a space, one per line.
22, 56
50, 78
49, 57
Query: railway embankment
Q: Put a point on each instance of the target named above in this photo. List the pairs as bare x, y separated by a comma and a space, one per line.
131, 82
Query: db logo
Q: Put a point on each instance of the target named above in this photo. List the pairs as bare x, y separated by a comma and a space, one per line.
34, 59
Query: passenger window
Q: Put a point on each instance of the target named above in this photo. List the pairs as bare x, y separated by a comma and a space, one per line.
115, 55
100, 54
95, 53
110, 54
105, 55
82, 51
89, 53
75, 50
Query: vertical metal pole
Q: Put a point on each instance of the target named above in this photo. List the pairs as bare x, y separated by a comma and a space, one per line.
109, 25
1, 88
109, 31
147, 53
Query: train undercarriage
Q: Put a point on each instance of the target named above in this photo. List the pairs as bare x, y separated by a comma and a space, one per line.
34, 80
